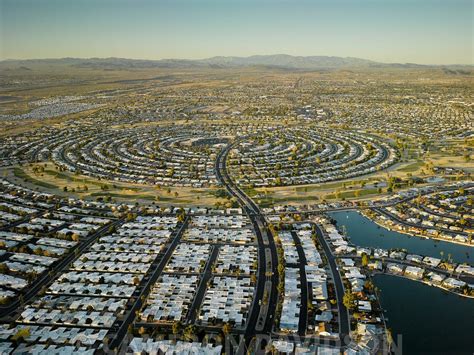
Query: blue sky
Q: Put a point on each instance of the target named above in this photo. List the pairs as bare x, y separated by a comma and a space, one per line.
418, 31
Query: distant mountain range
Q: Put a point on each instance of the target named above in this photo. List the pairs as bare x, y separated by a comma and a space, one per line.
282, 61
288, 61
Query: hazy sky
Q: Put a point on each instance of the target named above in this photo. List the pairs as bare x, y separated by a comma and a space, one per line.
419, 31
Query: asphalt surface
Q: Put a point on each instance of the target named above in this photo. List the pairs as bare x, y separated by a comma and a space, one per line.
120, 327
408, 224
303, 323
201, 290
461, 276
257, 321
47, 277
344, 321
265, 240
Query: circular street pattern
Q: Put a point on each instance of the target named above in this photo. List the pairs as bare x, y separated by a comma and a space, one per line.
301, 156
185, 156
161, 156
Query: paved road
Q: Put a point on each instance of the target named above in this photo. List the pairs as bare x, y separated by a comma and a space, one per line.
344, 321
201, 290
260, 319
120, 327
461, 276
374, 206
47, 277
303, 323
409, 224
25, 218
265, 240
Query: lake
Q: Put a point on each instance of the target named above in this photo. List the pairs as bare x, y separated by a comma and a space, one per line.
430, 320
363, 232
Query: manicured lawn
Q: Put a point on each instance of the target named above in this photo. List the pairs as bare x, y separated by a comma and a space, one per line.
412, 167
19, 173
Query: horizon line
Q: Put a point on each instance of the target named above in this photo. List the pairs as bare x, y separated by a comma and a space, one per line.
231, 56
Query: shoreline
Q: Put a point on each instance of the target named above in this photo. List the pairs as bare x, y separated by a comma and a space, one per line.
423, 282
413, 234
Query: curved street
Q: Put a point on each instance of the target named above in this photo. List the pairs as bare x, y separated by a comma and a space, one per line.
261, 317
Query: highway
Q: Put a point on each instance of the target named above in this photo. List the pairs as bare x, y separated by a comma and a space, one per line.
265, 241
261, 316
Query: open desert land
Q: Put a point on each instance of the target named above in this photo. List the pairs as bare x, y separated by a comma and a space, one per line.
160, 200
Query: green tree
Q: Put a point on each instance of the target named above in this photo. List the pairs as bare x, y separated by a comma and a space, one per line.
349, 300
189, 332
21, 334
176, 328
365, 260
226, 328
136, 281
